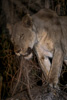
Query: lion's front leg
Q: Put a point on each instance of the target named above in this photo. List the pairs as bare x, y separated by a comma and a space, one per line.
43, 61
56, 68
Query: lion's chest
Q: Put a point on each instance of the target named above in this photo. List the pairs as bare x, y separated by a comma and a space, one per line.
47, 47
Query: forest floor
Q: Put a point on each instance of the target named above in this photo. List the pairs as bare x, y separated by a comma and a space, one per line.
22, 79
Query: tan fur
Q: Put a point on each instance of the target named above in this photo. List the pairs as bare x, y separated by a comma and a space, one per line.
43, 32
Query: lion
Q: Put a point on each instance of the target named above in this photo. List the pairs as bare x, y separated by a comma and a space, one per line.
43, 33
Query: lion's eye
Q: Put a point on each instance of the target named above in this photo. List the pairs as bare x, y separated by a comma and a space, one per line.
22, 36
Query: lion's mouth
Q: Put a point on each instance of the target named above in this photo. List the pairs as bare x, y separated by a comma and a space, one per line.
27, 55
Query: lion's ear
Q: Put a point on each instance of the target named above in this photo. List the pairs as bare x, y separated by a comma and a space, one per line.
9, 27
27, 21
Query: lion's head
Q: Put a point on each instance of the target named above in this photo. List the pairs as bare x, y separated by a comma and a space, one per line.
22, 36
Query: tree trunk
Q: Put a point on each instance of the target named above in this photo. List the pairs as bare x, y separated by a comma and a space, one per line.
52, 4
47, 4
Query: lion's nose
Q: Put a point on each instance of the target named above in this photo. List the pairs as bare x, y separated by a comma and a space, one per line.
16, 49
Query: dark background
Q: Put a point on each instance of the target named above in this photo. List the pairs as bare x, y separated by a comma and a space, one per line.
8, 61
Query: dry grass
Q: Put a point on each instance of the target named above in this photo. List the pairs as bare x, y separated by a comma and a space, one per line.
19, 74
